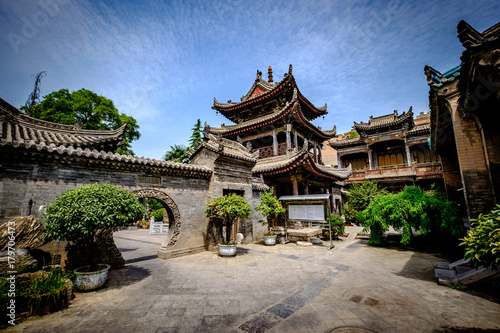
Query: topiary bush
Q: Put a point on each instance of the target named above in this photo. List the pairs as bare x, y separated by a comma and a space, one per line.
412, 208
226, 210
482, 243
270, 207
81, 214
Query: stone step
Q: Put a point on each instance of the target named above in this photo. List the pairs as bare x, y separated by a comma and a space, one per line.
460, 273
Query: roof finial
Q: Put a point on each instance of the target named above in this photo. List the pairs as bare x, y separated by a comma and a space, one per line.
290, 69
259, 74
270, 74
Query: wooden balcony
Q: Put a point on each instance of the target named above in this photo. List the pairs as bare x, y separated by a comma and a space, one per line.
414, 171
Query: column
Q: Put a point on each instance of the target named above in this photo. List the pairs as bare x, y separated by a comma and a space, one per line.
288, 139
275, 144
408, 156
315, 153
370, 159
320, 157
339, 161
295, 185
296, 142
306, 187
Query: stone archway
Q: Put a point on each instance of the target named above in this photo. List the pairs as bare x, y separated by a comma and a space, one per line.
163, 198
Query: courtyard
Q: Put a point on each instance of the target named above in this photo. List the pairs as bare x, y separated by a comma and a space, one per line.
285, 288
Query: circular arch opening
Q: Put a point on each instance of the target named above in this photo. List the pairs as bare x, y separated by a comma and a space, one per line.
171, 210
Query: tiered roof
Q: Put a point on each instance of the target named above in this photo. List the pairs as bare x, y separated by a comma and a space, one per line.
263, 92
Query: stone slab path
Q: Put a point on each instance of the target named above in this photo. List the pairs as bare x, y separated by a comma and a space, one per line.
283, 288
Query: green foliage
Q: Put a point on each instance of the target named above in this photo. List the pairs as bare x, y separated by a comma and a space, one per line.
410, 209
337, 225
178, 153
359, 196
78, 214
93, 111
228, 209
49, 287
33, 291
352, 134
269, 207
482, 243
158, 214
196, 135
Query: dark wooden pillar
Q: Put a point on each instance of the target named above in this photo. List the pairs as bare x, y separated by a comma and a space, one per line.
306, 187
295, 185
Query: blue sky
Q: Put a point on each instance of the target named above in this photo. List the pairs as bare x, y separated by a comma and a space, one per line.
163, 62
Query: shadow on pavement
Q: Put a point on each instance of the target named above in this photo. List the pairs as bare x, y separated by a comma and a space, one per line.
130, 274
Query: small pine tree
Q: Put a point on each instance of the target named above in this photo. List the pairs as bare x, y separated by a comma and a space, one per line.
196, 136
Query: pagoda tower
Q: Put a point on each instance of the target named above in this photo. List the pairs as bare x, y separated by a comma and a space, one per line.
273, 121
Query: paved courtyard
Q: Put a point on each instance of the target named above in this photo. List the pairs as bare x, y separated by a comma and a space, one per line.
285, 288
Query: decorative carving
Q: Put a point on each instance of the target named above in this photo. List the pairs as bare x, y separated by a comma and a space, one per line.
164, 199
290, 69
206, 131
249, 146
149, 180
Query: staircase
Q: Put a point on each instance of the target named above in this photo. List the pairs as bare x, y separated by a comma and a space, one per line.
460, 272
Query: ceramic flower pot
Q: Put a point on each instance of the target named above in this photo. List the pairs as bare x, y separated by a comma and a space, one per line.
86, 280
270, 240
227, 250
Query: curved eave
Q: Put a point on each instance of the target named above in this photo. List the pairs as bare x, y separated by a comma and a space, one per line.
227, 108
346, 143
313, 111
438, 79
323, 171
302, 157
400, 120
255, 124
278, 164
324, 135
62, 129
238, 154
420, 129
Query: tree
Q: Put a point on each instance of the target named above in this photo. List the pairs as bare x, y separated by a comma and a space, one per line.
196, 135
226, 210
80, 215
178, 153
412, 208
270, 207
359, 196
83, 106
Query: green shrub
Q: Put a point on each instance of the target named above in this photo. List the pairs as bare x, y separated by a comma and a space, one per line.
337, 225
81, 214
158, 214
227, 209
410, 209
269, 207
482, 243
47, 288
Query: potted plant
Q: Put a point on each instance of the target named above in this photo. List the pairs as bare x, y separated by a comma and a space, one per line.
84, 216
270, 207
225, 211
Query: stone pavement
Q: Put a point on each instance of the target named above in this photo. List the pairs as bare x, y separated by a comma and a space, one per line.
284, 288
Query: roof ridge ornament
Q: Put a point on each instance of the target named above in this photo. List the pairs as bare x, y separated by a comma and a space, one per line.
290, 67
